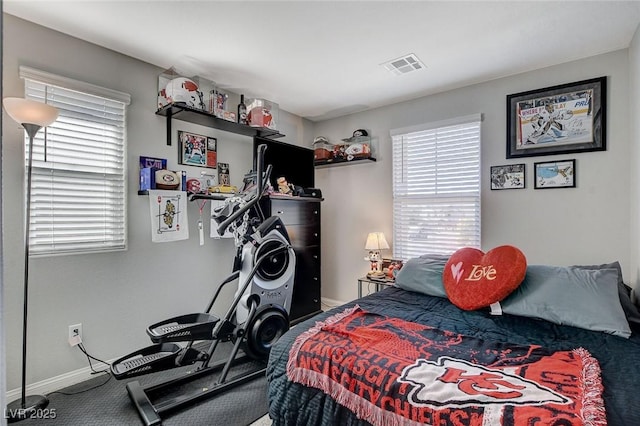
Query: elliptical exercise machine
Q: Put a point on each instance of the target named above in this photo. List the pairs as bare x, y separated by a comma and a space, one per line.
264, 267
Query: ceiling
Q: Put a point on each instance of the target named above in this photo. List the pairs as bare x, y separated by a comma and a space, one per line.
322, 59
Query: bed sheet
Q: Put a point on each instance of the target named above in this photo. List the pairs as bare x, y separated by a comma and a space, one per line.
294, 404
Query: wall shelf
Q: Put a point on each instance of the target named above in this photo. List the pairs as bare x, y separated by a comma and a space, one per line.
196, 116
320, 164
357, 149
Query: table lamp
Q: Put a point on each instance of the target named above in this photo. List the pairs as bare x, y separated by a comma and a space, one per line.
33, 116
375, 242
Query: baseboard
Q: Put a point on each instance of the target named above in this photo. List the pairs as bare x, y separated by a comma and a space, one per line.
52, 384
331, 303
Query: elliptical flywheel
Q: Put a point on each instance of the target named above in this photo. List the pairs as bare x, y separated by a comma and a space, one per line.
275, 265
263, 332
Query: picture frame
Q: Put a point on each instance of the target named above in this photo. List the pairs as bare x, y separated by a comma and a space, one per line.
389, 266
510, 176
555, 174
197, 150
563, 119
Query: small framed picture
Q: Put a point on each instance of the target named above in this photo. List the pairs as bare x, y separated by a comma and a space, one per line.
390, 267
555, 174
197, 150
223, 174
511, 176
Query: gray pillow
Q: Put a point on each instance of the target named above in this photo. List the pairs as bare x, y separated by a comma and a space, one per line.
570, 296
423, 275
630, 310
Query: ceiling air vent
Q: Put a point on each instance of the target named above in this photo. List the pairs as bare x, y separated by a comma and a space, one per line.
404, 64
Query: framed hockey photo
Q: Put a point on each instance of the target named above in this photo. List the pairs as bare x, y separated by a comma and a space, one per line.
197, 150
555, 174
561, 119
511, 176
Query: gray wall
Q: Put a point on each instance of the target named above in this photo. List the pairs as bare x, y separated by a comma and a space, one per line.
114, 295
634, 157
588, 224
3, 382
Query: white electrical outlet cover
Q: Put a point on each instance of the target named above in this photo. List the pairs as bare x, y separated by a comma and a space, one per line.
75, 340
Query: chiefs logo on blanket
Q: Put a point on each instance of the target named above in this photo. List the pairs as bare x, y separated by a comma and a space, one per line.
393, 372
467, 384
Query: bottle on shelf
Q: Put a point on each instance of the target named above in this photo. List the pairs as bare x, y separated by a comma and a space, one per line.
242, 111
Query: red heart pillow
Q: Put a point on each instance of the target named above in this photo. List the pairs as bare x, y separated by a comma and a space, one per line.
473, 279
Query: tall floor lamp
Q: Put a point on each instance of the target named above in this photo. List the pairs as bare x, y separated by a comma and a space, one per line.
33, 116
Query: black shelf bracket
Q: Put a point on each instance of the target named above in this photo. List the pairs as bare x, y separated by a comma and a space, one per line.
169, 116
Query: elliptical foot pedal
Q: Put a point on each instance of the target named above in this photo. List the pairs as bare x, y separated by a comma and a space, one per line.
183, 328
150, 359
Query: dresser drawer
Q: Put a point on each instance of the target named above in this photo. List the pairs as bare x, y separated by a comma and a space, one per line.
296, 212
303, 235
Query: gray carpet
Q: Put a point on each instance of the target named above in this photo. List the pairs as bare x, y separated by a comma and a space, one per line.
109, 404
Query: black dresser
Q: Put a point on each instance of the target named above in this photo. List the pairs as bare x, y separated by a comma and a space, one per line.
301, 217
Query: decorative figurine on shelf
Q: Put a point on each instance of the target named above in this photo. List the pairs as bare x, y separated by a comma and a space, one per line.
284, 187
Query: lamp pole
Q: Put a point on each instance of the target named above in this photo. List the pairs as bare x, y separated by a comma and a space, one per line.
33, 116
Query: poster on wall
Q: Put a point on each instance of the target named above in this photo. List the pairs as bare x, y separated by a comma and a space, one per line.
197, 150
169, 221
555, 174
223, 174
561, 119
511, 176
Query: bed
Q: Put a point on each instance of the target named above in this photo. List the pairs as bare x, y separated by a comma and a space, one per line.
612, 382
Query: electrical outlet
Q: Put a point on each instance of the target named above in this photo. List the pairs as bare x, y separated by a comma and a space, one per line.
75, 334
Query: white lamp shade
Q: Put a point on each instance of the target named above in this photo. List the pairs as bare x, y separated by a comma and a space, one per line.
27, 111
376, 241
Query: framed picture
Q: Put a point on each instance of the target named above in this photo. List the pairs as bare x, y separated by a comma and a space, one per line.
390, 267
557, 120
555, 174
223, 174
197, 150
511, 176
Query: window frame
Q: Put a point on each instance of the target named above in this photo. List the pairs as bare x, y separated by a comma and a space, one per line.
404, 195
34, 81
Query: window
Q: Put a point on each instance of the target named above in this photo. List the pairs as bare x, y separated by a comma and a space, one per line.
436, 187
78, 200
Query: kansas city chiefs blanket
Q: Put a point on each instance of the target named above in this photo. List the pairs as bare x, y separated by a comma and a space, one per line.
393, 372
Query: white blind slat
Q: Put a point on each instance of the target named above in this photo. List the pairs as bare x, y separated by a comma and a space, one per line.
436, 187
78, 177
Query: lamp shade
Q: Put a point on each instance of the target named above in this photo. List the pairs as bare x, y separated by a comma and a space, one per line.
376, 241
26, 111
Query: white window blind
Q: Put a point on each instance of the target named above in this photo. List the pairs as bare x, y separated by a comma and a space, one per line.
436, 187
78, 201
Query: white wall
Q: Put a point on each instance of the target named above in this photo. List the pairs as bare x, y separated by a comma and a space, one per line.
585, 225
115, 295
634, 157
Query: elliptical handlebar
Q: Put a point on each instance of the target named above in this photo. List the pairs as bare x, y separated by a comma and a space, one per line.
259, 191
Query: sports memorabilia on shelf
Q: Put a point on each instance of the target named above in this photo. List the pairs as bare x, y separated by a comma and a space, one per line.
357, 147
176, 88
262, 113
